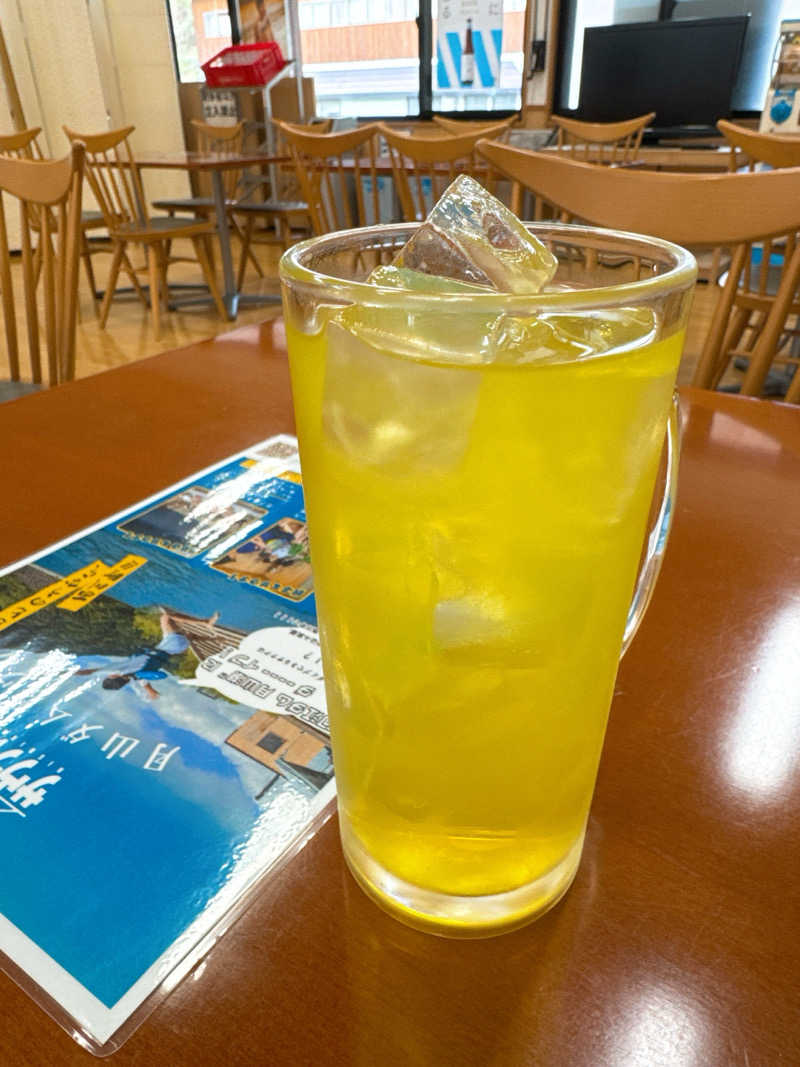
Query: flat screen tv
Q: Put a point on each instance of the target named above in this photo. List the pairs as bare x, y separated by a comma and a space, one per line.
684, 71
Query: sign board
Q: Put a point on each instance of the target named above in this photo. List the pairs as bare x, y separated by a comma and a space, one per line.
469, 45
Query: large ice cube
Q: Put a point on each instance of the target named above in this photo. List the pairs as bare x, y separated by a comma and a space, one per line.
472, 237
383, 410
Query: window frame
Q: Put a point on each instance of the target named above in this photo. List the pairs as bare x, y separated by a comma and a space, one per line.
426, 45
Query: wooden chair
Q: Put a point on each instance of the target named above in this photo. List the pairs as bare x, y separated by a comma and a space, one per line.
775, 151
284, 207
21, 145
755, 296
25, 145
223, 140
601, 142
49, 197
497, 131
707, 210
423, 167
337, 174
115, 181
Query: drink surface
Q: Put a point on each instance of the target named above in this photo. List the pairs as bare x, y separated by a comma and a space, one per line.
475, 536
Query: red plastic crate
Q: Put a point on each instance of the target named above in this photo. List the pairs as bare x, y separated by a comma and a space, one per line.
244, 64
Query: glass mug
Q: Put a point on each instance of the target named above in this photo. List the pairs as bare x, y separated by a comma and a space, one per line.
478, 472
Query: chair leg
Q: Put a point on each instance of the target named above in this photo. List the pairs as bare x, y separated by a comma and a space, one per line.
86, 255
154, 276
205, 265
713, 359
163, 267
113, 274
731, 338
246, 250
137, 285
793, 392
246, 239
285, 231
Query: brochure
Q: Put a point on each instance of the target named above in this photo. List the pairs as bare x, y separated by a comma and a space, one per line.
163, 736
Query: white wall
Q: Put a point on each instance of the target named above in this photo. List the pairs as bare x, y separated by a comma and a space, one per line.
148, 88
94, 73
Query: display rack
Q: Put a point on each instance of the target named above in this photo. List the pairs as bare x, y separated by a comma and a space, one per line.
781, 112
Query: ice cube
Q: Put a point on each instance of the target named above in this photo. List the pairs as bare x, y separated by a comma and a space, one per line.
391, 277
473, 237
467, 622
402, 415
606, 330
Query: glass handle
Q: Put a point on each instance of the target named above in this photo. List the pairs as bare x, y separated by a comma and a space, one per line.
657, 541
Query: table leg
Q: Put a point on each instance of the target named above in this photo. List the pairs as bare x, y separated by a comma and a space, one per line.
230, 296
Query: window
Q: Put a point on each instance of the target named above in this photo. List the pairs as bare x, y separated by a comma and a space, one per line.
364, 56
200, 29
217, 23
271, 742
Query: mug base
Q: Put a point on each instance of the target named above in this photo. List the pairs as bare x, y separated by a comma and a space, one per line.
458, 916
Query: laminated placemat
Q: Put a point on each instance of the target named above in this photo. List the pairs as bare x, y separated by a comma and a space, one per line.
163, 737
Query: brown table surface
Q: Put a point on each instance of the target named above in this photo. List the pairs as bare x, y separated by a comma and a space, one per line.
678, 943
206, 160
653, 157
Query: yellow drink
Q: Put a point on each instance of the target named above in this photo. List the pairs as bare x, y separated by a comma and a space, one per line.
475, 537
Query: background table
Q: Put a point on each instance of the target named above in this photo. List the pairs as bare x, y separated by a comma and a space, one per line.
678, 944
215, 163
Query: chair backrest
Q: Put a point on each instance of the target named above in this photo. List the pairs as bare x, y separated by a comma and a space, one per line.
337, 174
601, 142
113, 175
51, 190
21, 145
695, 209
497, 131
223, 140
776, 151
689, 208
322, 126
423, 167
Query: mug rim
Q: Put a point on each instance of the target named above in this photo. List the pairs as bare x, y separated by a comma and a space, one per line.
681, 274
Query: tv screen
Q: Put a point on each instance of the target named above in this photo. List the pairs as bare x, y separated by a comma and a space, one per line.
684, 71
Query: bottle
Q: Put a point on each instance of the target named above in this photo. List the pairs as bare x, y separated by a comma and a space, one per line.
468, 58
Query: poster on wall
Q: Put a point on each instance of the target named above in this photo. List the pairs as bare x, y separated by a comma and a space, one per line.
469, 43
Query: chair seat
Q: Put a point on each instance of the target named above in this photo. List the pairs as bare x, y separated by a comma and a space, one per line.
206, 204
92, 220
14, 390
163, 228
274, 206
189, 203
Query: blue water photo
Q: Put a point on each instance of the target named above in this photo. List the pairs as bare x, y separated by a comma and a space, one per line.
130, 793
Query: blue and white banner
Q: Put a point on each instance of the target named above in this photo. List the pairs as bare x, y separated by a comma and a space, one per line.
469, 45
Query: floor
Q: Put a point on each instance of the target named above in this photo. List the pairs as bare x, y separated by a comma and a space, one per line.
128, 335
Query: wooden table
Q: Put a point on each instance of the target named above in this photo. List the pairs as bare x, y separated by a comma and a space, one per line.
678, 944
681, 159
215, 163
